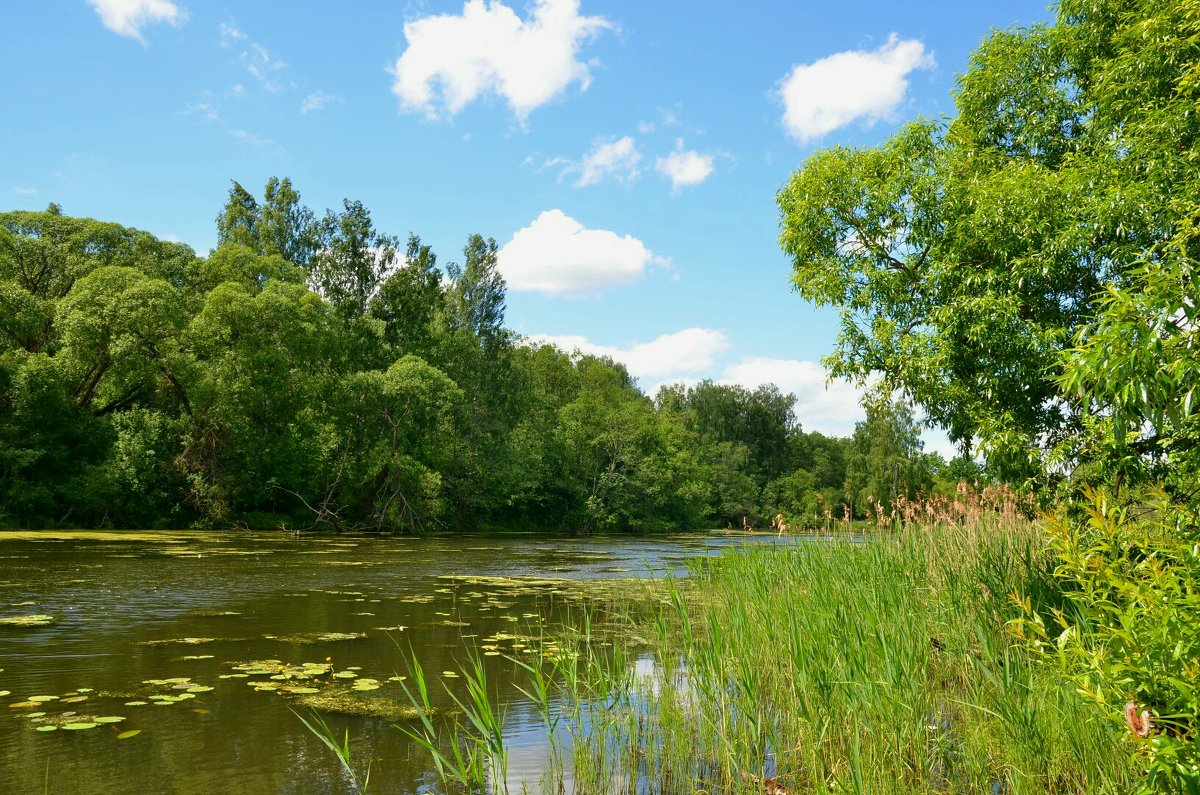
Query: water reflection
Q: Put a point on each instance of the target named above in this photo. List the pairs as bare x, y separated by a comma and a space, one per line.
133, 610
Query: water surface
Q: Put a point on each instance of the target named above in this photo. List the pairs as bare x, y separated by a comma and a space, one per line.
135, 610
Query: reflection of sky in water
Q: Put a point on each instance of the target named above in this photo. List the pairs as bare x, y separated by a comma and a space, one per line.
111, 598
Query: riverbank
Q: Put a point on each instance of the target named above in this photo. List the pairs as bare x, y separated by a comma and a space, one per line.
880, 666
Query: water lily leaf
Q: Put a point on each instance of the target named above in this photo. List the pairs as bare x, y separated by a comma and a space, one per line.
135, 703
80, 726
128, 734
50, 728
109, 719
5, 693
74, 699
83, 690
23, 704
199, 689
44, 698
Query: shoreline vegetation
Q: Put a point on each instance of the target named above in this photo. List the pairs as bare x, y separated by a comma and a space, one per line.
883, 664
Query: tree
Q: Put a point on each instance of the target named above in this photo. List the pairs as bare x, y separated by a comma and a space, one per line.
884, 462
285, 226
409, 301
281, 226
238, 222
964, 256
352, 260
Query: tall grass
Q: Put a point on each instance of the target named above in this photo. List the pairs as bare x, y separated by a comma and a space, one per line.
882, 665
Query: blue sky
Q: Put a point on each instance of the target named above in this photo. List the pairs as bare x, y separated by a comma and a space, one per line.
625, 155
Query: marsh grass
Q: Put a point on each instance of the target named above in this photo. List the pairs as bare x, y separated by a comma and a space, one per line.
883, 665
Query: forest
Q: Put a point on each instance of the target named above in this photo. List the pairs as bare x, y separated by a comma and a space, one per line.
314, 372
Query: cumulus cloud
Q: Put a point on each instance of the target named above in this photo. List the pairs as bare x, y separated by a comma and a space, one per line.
831, 408
691, 350
684, 167
453, 59
847, 86
128, 17
557, 255
616, 159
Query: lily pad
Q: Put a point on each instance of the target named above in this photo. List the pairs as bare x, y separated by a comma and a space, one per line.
135, 703
80, 726
50, 728
128, 734
109, 719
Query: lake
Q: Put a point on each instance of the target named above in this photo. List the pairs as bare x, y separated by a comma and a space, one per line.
209, 644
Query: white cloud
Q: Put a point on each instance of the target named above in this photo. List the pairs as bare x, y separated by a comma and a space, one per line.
691, 350
489, 49
254, 57
830, 409
263, 66
557, 255
684, 167
846, 86
617, 159
128, 17
25, 191
318, 100
230, 34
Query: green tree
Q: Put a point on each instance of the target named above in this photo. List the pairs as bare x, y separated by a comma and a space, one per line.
963, 256
352, 258
885, 461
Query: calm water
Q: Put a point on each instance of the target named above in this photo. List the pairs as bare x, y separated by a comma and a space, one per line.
193, 607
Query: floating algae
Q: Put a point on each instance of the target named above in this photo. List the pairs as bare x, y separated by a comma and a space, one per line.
35, 620
317, 637
346, 701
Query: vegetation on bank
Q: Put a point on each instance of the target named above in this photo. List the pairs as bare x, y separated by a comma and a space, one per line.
1025, 272
315, 372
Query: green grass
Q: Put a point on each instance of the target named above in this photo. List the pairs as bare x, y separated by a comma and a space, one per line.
883, 666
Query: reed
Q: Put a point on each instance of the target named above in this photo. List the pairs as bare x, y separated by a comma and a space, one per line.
876, 665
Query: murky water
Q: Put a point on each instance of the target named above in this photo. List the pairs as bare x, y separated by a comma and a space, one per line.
172, 621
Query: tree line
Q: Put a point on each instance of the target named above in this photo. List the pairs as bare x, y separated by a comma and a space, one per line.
317, 372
